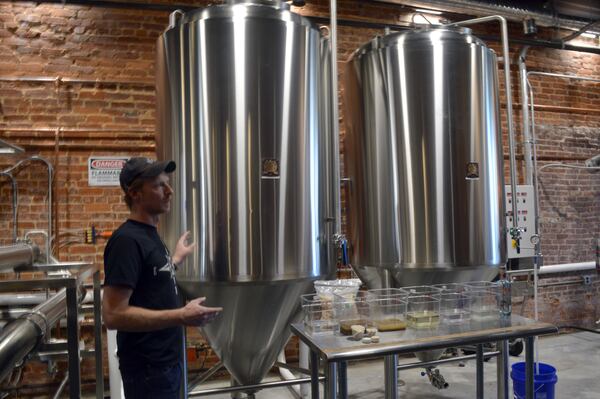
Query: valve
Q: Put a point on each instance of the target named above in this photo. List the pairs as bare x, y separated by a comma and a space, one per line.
341, 243
515, 234
435, 378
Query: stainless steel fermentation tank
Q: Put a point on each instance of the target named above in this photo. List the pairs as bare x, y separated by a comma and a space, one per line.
424, 158
244, 109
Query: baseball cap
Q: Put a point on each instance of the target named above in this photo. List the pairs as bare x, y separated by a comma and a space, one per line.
138, 167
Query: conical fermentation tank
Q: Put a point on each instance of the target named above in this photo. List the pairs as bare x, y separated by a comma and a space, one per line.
244, 110
424, 158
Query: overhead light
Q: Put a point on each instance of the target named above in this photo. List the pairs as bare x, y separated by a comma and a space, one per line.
7, 148
590, 35
428, 11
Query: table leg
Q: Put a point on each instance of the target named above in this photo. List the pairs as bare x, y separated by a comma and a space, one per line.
314, 375
73, 344
502, 367
343, 380
391, 376
479, 371
331, 380
529, 368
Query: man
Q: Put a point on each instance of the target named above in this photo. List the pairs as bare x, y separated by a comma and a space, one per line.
140, 292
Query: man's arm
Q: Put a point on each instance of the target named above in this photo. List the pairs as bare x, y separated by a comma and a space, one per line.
119, 315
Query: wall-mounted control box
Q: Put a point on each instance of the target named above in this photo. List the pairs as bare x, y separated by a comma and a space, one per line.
525, 220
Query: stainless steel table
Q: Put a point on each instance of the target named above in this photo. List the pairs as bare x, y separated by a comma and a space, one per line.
336, 351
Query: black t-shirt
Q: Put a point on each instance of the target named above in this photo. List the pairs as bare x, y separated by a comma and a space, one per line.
137, 258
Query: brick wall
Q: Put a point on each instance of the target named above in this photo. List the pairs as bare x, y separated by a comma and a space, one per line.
116, 116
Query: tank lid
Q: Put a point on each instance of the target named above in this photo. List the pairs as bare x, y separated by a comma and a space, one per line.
278, 4
417, 32
272, 9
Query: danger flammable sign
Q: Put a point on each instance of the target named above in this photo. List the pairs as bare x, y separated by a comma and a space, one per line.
104, 171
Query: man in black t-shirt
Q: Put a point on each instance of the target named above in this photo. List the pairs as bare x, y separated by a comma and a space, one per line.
140, 296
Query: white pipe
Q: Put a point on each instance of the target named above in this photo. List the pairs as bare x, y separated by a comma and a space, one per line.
22, 299
335, 115
287, 374
114, 375
304, 356
527, 141
567, 267
509, 110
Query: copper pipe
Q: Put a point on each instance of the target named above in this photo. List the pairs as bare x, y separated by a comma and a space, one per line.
90, 147
58, 80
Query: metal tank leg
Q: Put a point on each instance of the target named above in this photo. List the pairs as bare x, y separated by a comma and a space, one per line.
73, 343
331, 380
314, 375
343, 380
529, 368
479, 371
502, 369
98, 338
390, 363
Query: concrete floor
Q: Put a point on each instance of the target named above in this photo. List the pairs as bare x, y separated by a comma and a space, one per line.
576, 357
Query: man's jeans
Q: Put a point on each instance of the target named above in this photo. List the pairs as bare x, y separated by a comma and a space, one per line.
152, 382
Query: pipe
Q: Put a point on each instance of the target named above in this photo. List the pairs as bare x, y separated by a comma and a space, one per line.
253, 387
23, 335
114, 375
57, 80
287, 375
62, 386
579, 32
432, 363
304, 354
558, 268
509, 108
50, 171
13, 183
567, 267
527, 143
22, 299
16, 255
335, 116
482, 8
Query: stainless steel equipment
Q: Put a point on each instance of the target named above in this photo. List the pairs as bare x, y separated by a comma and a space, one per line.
424, 157
16, 255
244, 110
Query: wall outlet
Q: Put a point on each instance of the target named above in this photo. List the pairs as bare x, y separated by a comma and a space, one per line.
587, 280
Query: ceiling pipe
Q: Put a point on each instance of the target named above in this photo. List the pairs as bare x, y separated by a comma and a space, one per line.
482, 9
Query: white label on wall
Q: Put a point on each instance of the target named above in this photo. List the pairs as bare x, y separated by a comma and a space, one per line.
104, 171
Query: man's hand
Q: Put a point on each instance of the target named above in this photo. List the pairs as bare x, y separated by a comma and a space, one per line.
183, 249
194, 314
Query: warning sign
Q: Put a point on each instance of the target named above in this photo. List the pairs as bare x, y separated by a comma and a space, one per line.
104, 171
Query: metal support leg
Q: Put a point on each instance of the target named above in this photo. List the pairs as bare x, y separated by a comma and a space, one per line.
390, 363
343, 380
529, 368
331, 380
73, 344
314, 375
479, 371
98, 338
502, 369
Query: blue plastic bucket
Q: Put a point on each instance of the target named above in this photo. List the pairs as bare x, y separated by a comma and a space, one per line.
544, 381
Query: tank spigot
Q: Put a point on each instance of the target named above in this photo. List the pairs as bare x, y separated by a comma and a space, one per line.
341, 243
435, 377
